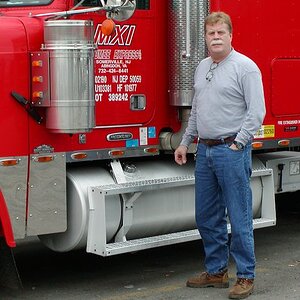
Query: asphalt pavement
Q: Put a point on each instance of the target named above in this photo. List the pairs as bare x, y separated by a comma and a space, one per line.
161, 273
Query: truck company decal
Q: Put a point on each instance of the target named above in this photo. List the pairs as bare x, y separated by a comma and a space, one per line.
123, 36
132, 143
289, 122
289, 125
143, 136
290, 128
114, 82
151, 132
265, 131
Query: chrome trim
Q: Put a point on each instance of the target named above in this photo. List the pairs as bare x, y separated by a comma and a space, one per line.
104, 154
13, 183
118, 126
47, 204
119, 136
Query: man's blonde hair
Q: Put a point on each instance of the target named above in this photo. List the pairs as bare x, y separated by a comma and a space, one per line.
216, 17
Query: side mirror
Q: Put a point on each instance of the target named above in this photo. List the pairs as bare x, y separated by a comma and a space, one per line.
120, 10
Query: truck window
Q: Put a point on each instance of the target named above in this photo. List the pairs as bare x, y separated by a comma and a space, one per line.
140, 4
13, 3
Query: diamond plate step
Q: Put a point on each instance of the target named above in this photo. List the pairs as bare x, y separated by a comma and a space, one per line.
167, 239
145, 185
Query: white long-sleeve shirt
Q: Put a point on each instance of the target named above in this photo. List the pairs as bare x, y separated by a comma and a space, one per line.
232, 102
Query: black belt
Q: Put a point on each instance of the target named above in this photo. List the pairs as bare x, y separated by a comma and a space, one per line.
212, 142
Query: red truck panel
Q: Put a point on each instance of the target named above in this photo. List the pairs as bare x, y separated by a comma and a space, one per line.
133, 61
268, 32
14, 76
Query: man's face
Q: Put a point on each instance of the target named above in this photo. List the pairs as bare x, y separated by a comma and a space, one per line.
218, 40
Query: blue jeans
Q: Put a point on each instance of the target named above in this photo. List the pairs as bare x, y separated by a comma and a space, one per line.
223, 190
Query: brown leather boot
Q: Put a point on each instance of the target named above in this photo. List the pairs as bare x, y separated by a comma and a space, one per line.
206, 280
242, 289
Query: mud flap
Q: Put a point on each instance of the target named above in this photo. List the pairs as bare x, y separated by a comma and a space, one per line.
9, 275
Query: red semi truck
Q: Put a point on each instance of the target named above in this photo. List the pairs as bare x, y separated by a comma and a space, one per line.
89, 121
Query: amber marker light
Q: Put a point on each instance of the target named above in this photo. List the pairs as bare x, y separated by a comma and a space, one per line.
44, 158
37, 95
153, 151
257, 145
37, 78
108, 27
37, 63
79, 155
116, 153
284, 143
8, 162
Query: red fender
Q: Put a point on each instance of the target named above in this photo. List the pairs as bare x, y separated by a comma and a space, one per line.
5, 223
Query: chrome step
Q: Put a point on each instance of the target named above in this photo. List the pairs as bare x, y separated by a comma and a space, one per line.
151, 242
261, 172
165, 240
145, 185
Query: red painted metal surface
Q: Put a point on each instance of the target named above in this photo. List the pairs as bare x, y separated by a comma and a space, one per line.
13, 77
6, 228
268, 32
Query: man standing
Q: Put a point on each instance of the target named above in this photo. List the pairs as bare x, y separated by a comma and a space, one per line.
228, 108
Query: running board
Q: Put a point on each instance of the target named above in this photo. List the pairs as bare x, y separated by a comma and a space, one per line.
166, 239
96, 239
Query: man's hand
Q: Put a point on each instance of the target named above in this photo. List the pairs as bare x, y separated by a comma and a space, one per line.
233, 147
236, 146
180, 154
